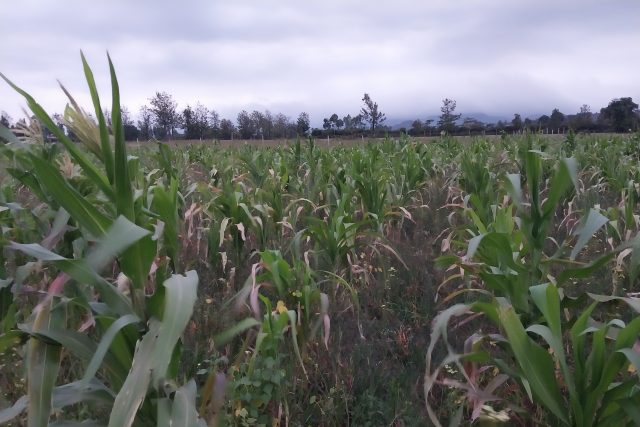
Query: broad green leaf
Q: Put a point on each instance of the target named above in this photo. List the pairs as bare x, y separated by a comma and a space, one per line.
294, 338
578, 341
121, 235
76, 392
8, 136
566, 175
86, 423
13, 411
594, 221
86, 214
123, 190
165, 203
11, 339
89, 168
134, 390
183, 411
633, 357
154, 351
180, 297
42, 365
105, 344
105, 146
534, 361
584, 271
239, 327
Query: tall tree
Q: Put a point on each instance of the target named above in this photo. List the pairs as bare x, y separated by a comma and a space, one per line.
189, 123
165, 114
543, 121
472, 125
281, 126
245, 125
5, 119
259, 120
417, 128
145, 123
556, 120
584, 119
448, 118
358, 122
131, 132
214, 124
517, 122
348, 122
371, 113
303, 124
201, 121
621, 114
227, 129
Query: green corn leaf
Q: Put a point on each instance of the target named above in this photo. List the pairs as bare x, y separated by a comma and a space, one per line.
123, 190
578, 340
43, 363
11, 339
180, 297
183, 411
121, 235
566, 175
515, 189
584, 271
534, 361
8, 136
86, 423
68, 197
631, 408
594, 221
89, 168
105, 146
165, 203
105, 344
133, 391
13, 411
633, 357
239, 327
294, 338
154, 352
29, 180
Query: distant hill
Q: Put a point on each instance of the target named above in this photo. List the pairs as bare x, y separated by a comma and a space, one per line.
400, 123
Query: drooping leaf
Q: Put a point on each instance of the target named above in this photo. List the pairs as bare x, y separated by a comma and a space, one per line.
594, 221
43, 363
89, 168
535, 363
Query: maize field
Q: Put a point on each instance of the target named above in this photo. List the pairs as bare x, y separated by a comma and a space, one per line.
385, 283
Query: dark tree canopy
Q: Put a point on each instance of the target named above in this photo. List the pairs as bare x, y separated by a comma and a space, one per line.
145, 123
371, 114
621, 114
448, 118
245, 125
303, 124
556, 119
165, 114
516, 122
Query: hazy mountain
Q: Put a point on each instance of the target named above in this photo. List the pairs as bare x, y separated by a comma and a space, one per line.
403, 122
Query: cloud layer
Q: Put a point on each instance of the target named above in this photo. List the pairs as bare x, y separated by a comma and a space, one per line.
497, 57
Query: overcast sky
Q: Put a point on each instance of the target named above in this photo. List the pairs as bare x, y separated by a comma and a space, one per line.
498, 57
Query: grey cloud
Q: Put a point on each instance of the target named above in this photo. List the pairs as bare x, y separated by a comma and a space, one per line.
497, 56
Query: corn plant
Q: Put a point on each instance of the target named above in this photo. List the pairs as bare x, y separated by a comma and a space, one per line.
130, 361
508, 257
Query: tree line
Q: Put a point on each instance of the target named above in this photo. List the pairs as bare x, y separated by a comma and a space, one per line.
161, 119
620, 115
